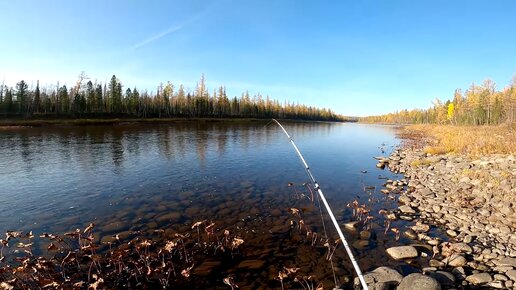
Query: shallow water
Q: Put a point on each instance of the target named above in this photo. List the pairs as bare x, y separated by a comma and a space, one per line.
138, 178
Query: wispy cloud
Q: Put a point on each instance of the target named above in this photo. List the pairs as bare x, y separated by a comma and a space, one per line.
157, 36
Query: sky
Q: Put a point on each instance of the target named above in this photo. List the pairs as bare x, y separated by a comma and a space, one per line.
356, 57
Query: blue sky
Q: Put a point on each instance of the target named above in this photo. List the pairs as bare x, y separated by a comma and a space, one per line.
355, 57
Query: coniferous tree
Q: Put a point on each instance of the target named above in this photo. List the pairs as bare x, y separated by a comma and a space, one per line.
22, 96
37, 98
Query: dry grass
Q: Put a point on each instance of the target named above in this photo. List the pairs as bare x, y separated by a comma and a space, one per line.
469, 140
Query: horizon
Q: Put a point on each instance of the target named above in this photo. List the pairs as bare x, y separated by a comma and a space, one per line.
357, 59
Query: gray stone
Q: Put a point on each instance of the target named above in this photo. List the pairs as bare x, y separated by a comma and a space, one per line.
479, 278
402, 252
418, 281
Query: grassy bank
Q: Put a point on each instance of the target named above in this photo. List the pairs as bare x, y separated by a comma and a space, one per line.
470, 140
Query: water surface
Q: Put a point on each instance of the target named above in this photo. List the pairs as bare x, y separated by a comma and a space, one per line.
138, 178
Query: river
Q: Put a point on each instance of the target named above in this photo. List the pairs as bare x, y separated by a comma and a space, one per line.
244, 175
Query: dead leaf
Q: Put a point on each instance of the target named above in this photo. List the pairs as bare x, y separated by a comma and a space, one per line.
97, 284
6, 286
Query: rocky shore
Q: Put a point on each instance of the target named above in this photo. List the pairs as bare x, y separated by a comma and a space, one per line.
464, 214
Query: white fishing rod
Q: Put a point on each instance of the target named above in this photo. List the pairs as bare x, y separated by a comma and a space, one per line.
328, 209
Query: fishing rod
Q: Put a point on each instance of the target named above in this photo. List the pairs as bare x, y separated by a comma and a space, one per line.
328, 209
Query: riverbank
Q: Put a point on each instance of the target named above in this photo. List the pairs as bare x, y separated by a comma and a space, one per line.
6, 123
461, 196
22, 123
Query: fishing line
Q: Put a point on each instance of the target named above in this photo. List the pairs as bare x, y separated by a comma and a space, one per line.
326, 236
328, 209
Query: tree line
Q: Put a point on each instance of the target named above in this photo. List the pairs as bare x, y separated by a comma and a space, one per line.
478, 105
92, 99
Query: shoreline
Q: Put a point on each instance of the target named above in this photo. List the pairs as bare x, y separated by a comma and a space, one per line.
470, 200
26, 123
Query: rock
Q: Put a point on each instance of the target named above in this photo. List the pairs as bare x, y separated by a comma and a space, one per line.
507, 210
360, 244
433, 242
451, 233
171, 217
206, 267
421, 228
444, 278
468, 239
418, 281
455, 260
404, 199
365, 235
507, 261
381, 278
436, 263
407, 209
402, 252
479, 278
461, 248
410, 234
496, 285
511, 274
500, 277
459, 273
251, 264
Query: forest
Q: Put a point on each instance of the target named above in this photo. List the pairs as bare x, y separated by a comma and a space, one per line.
87, 99
478, 105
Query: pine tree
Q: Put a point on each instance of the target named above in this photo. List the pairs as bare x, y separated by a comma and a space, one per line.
22, 96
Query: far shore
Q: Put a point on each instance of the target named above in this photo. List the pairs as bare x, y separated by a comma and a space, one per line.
23, 123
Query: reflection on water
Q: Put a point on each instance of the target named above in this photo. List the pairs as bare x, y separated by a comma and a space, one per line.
137, 178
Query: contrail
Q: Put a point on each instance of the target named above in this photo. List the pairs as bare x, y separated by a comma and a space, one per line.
157, 36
